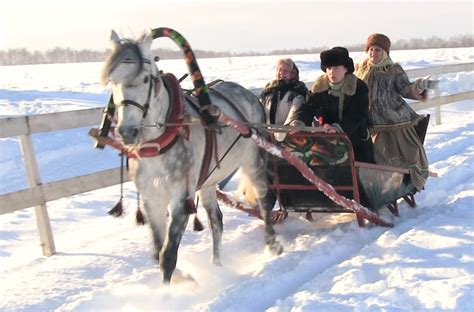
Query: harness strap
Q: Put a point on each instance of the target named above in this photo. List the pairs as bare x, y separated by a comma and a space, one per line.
225, 154
172, 133
210, 139
210, 135
216, 152
209, 145
232, 105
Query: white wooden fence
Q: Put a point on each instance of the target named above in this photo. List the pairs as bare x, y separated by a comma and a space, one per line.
39, 193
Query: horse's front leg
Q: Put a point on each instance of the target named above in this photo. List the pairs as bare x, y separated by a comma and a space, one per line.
179, 217
214, 215
157, 218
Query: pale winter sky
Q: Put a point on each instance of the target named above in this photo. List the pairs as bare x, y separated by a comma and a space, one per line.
226, 25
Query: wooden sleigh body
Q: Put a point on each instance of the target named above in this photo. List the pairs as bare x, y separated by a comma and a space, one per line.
331, 158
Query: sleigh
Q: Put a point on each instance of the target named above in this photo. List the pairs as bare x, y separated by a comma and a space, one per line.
331, 158
156, 130
312, 171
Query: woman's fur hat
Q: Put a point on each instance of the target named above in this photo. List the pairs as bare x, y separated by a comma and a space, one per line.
335, 57
378, 40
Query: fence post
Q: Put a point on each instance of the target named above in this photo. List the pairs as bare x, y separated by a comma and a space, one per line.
41, 212
438, 107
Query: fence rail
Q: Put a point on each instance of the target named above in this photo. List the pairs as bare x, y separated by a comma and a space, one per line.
38, 193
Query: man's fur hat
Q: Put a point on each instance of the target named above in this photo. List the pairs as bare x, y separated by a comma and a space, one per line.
335, 57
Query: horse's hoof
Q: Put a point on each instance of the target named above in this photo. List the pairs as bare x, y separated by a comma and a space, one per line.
181, 278
216, 261
276, 248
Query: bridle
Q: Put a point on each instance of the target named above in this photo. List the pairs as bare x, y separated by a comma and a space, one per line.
144, 108
174, 126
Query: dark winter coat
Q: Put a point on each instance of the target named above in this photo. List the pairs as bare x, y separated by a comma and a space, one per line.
355, 107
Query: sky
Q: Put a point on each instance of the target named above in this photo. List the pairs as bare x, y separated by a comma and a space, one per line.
424, 263
239, 26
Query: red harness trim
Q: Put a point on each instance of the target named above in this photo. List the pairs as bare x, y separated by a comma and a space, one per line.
165, 141
171, 135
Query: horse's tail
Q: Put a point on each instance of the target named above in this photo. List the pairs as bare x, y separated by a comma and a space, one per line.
247, 189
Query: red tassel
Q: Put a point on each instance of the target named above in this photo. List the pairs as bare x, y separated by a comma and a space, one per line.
117, 211
139, 217
198, 227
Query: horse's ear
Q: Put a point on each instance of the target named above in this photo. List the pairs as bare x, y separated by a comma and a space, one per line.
147, 38
114, 39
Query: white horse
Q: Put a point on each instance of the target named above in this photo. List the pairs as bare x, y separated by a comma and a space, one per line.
168, 178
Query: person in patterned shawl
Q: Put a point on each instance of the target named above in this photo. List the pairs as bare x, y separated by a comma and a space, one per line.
281, 98
393, 121
283, 95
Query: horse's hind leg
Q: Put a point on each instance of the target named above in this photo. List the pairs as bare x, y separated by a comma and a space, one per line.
255, 170
214, 215
179, 217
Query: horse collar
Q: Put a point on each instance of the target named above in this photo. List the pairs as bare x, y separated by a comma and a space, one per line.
165, 141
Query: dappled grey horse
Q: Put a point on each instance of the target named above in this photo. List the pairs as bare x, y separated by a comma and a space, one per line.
170, 154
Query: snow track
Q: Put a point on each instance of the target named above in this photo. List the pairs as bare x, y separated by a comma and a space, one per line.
424, 263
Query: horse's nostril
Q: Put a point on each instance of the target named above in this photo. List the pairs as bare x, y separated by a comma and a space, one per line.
134, 132
128, 134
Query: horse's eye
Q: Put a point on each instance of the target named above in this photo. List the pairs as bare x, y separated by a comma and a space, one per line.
145, 80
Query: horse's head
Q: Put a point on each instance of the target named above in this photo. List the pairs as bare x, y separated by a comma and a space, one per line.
134, 78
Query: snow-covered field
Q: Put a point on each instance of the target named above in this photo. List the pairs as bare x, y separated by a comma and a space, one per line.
424, 263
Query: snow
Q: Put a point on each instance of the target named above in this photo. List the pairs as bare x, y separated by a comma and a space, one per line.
424, 263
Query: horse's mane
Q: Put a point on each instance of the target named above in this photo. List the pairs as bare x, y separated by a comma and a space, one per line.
125, 51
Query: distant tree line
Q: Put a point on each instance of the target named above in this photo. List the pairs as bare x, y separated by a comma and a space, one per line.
66, 55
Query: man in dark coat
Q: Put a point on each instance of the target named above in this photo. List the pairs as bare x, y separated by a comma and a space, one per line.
341, 100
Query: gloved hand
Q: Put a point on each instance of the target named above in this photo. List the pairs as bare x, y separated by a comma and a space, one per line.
297, 125
433, 84
317, 122
425, 83
279, 136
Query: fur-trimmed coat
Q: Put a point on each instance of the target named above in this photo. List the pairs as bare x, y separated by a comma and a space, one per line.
354, 121
388, 108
